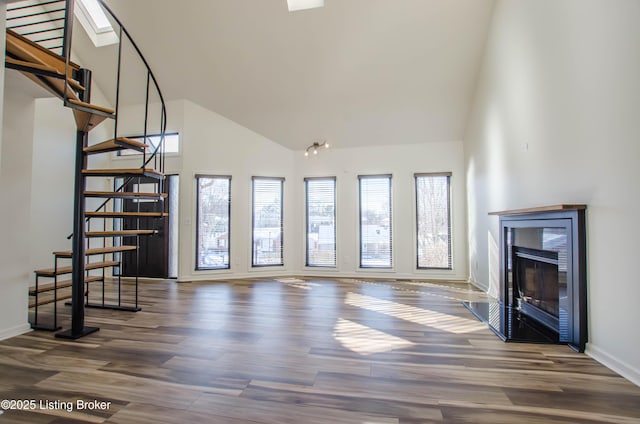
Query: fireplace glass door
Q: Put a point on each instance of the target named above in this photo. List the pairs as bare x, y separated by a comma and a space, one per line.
537, 270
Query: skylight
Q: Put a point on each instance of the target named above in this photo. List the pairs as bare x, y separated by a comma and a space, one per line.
98, 18
95, 23
304, 4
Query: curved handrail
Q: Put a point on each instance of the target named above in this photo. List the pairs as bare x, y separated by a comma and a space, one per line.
146, 64
150, 72
163, 118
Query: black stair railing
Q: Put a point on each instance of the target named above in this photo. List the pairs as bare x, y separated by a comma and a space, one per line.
49, 23
41, 22
157, 155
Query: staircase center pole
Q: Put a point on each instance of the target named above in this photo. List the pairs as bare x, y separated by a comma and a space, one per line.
78, 328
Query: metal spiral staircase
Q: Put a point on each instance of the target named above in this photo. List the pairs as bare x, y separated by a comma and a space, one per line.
39, 36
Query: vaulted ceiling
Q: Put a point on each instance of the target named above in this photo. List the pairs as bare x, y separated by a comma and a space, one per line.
355, 72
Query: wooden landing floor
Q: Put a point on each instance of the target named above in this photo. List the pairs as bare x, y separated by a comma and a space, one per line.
305, 351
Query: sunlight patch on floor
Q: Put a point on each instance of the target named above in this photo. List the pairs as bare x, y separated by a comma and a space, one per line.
298, 283
365, 340
440, 290
437, 320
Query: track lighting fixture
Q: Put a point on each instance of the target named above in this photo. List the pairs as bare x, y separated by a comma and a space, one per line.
315, 146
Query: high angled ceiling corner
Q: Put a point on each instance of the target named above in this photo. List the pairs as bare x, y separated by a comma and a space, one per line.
359, 72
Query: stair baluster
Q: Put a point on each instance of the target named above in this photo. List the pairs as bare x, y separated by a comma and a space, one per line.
66, 80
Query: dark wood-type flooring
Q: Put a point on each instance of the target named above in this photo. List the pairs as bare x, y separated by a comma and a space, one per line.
305, 351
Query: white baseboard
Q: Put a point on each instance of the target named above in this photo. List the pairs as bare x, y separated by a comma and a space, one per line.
231, 276
7, 333
627, 371
480, 286
314, 274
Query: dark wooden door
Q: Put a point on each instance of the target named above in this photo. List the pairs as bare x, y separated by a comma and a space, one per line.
153, 252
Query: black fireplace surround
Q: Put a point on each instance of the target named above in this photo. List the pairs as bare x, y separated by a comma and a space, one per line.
543, 285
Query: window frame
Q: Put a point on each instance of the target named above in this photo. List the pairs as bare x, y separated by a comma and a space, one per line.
197, 255
362, 266
128, 154
448, 175
253, 223
306, 231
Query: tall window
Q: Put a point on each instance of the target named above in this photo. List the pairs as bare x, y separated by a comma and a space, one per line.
267, 220
213, 216
433, 212
375, 221
321, 221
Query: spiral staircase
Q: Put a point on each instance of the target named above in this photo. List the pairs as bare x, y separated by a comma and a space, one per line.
38, 44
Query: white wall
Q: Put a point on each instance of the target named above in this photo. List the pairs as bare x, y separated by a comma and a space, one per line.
52, 180
15, 192
212, 144
555, 121
401, 161
53, 166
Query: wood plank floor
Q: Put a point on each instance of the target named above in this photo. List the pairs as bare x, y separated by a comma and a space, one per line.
303, 350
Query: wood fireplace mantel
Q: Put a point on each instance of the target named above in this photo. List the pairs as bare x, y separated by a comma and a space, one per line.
540, 209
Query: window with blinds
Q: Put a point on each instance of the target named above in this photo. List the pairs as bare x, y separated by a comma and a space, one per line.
433, 218
321, 221
213, 219
375, 221
267, 221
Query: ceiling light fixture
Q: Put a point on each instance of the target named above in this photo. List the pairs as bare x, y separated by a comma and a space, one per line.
315, 146
304, 4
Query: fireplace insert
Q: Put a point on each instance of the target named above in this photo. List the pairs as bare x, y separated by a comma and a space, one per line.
536, 285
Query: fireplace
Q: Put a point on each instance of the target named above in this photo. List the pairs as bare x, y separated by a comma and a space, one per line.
536, 285
542, 277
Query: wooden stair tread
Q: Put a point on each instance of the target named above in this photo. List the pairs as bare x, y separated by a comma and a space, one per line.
126, 214
120, 233
120, 143
54, 84
98, 108
95, 251
42, 288
52, 272
36, 66
98, 265
50, 299
26, 50
43, 68
147, 172
88, 115
123, 194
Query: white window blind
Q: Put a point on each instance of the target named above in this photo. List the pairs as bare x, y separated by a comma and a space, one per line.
321, 221
267, 228
213, 219
375, 221
433, 213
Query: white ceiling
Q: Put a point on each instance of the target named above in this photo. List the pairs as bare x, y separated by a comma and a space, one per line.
355, 72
